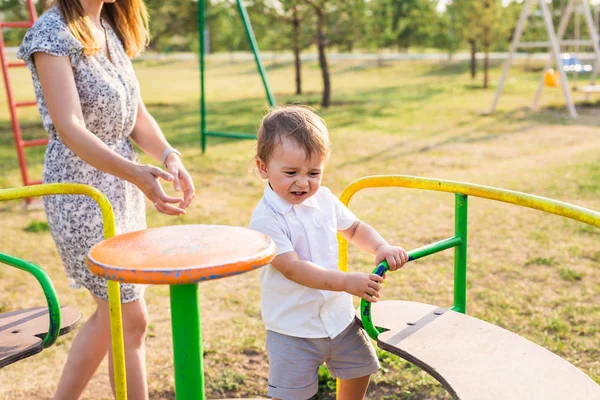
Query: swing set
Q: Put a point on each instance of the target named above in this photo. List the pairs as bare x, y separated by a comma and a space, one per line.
204, 132
556, 77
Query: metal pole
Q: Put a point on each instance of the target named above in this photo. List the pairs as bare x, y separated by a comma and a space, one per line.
577, 36
187, 342
461, 205
201, 27
49, 291
562, 27
587, 12
254, 46
564, 81
513, 48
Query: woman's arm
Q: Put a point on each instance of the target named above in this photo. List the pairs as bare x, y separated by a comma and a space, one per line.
62, 99
149, 137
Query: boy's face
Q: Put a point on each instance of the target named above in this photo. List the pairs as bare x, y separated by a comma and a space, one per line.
292, 176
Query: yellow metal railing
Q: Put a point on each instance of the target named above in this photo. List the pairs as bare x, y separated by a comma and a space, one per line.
487, 192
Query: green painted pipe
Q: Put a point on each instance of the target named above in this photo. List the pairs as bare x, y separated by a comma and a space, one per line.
254, 46
233, 135
187, 342
49, 292
383, 267
202, 27
460, 253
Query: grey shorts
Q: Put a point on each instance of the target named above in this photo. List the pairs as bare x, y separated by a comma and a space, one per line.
294, 362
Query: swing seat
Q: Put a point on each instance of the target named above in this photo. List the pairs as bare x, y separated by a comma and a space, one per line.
589, 89
475, 360
551, 78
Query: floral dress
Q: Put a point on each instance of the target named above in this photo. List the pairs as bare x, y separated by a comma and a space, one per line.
109, 96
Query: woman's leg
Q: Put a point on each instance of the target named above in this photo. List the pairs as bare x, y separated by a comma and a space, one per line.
353, 389
87, 351
93, 341
135, 326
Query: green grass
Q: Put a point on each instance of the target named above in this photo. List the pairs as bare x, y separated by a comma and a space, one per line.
37, 226
530, 272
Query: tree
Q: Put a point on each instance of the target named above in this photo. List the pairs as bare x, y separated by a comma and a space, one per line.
293, 13
484, 23
320, 8
444, 35
172, 22
381, 27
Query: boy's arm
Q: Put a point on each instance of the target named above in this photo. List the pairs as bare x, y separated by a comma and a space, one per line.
306, 273
368, 239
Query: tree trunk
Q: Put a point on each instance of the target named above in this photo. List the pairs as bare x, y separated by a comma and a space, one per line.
321, 43
297, 61
486, 59
487, 42
473, 58
486, 67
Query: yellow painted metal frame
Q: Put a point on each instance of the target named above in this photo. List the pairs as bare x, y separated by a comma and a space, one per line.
487, 192
114, 291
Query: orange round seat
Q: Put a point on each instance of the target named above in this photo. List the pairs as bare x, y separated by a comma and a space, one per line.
180, 254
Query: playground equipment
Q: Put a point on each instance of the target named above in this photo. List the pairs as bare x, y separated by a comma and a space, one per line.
204, 133
24, 333
554, 43
181, 256
20, 143
471, 358
573, 64
114, 291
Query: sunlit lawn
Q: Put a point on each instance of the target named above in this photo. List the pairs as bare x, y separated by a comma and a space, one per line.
533, 273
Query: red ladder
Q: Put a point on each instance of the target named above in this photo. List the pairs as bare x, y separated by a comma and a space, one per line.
20, 144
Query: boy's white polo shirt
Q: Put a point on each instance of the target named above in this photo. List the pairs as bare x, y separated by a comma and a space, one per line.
310, 230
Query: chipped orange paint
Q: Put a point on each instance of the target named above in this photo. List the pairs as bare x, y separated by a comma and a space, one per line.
180, 254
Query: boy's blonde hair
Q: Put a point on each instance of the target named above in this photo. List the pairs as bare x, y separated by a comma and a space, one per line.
295, 122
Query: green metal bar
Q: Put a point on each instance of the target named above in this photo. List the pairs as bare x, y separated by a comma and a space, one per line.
434, 248
49, 292
187, 342
202, 27
365, 306
254, 46
461, 206
383, 267
230, 135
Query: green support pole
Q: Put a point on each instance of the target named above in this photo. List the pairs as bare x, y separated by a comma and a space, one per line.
460, 253
187, 342
254, 46
261, 70
201, 27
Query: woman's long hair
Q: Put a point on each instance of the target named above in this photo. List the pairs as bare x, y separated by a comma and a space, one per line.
128, 18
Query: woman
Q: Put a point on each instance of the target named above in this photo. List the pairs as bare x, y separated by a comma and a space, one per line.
88, 96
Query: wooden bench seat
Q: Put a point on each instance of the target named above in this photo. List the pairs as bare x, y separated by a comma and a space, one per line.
22, 331
475, 360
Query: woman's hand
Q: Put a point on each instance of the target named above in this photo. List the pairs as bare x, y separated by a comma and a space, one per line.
181, 179
146, 178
